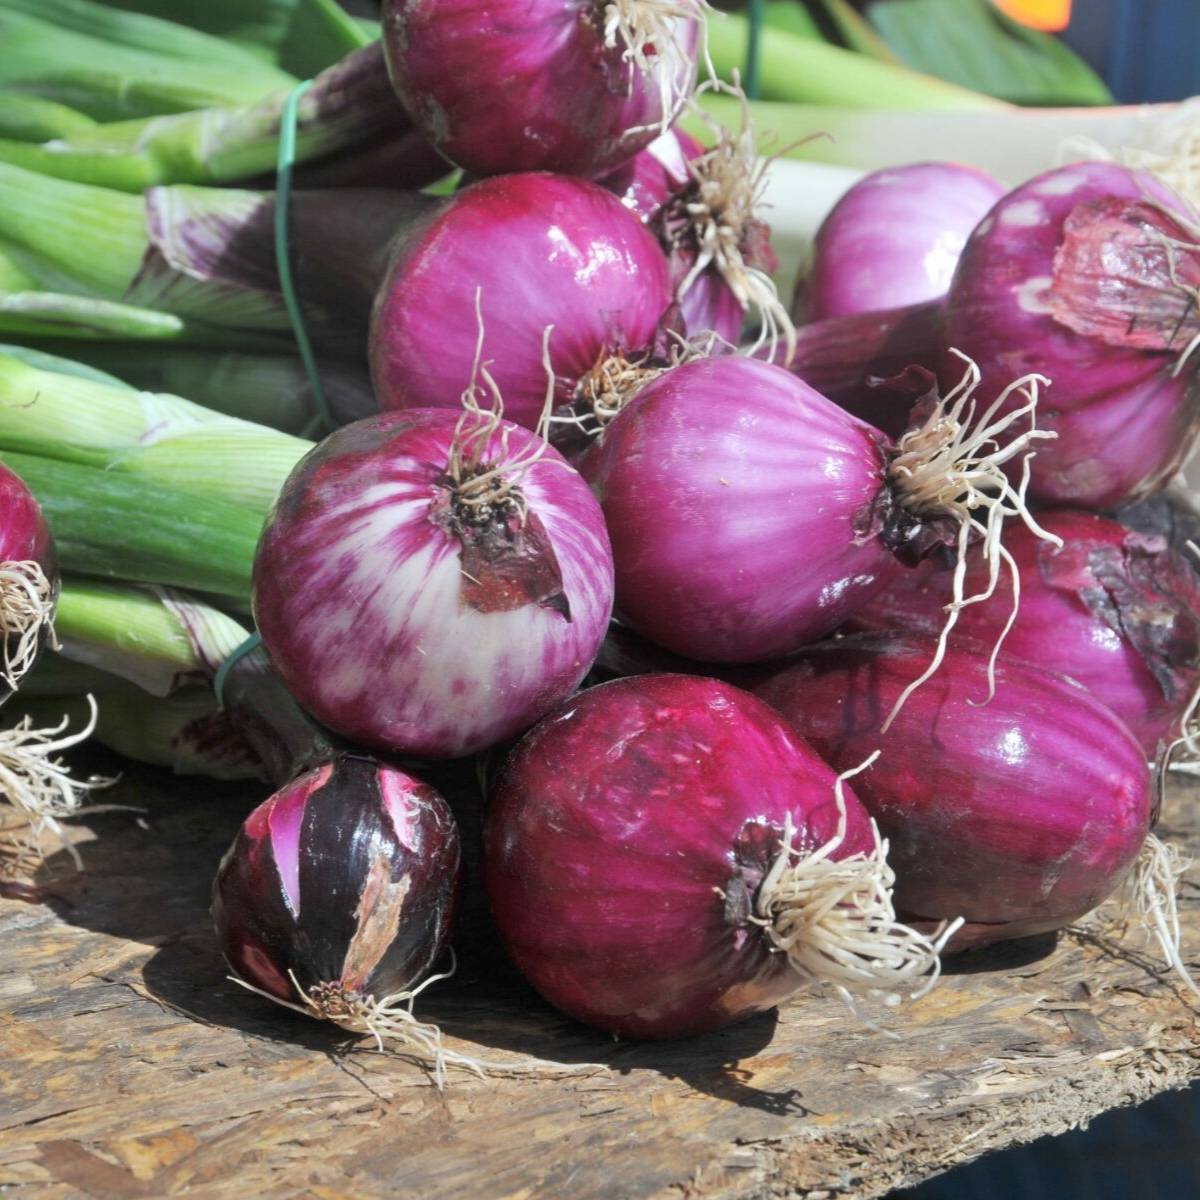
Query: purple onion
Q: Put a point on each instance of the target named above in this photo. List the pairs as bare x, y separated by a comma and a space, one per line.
1117, 611
1020, 814
701, 203
894, 239
628, 855
533, 251
338, 894
28, 580
1087, 275
577, 86
749, 515
432, 589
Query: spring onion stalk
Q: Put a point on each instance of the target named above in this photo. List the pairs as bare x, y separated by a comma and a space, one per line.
349, 104
123, 527
269, 389
14, 275
54, 675
111, 80
154, 435
185, 732
158, 638
302, 36
209, 253
1012, 144
26, 118
39, 313
798, 70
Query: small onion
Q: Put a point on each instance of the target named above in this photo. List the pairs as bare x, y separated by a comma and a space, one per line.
652, 844
28, 580
749, 515
1088, 275
577, 86
894, 239
431, 584
1117, 611
532, 251
1020, 814
338, 894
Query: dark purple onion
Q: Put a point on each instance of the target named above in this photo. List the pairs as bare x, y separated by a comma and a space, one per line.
626, 848
408, 618
894, 239
28, 580
1117, 611
533, 251
1020, 814
1087, 275
500, 86
339, 891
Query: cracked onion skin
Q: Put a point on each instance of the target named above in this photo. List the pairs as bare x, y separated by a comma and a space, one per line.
1068, 277
349, 875
1117, 611
1019, 815
613, 826
537, 250
406, 632
500, 86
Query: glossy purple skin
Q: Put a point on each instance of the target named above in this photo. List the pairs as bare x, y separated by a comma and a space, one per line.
895, 237
306, 885
656, 174
364, 605
602, 877
731, 491
1125, 425
24, 534
1118, 612
542, 250
526, 85
1019, 815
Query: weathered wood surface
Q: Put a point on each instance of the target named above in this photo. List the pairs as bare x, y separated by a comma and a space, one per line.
130, 1067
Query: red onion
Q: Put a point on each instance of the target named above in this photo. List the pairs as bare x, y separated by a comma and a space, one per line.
749, 515
702, 204
533, 251
1088, 274
337, 897
1020, 814
432, 582
576, 86
28, 580
894, 239
652, 845
1117, 611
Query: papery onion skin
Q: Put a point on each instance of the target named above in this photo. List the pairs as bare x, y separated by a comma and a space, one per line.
603, 877
1019, 815
894, 239
24, 538
1117, 611
735, 496
1125, 420
872, 364
540, 250
380, 629
350, 875
526, 85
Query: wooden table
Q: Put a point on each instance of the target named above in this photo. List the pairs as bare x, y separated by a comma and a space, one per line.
131, 1067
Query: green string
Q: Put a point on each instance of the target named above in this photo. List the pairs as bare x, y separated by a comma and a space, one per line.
754, 48
283, 196
251, 643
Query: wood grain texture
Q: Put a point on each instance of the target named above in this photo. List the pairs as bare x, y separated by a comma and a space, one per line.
130, 1067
